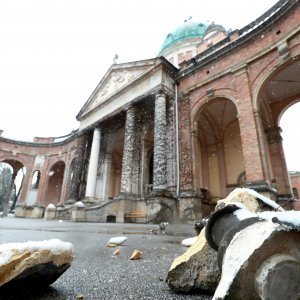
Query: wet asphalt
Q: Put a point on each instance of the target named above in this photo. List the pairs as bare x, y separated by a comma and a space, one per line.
96, 273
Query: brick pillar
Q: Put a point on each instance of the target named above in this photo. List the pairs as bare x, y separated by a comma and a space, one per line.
128, 151
64, 185
249, 137
160, 158
77, 169
280, 171
260, 133
25, 186
93, 165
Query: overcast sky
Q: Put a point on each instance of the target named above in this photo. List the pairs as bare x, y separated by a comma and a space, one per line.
54, 53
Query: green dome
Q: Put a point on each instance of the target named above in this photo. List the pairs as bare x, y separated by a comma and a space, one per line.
187, 30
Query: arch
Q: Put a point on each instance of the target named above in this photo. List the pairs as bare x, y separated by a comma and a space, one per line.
218, 156
274, 68
277, 90
205, 100
54, 183
15, 163
11, 182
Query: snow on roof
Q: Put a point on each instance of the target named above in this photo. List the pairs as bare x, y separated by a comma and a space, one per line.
56, 246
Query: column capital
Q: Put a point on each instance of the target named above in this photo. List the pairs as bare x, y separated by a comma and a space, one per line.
274, 135
160, 93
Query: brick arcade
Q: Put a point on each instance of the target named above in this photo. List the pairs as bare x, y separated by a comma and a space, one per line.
170, 136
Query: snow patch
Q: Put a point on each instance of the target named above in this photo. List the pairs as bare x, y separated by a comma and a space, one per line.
79, 204
291, 216
243, 214
51, 206
119, 240
56, 246
189, 242
263, 198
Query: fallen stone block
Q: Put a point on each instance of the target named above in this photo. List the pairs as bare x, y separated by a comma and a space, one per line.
257, 253
196, 269
33, 264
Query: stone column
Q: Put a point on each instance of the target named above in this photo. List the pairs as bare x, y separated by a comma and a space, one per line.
64, 185
93, 165
128, 151
77, 169
108, 184
143, 167
171, 142
160, 159
280, 171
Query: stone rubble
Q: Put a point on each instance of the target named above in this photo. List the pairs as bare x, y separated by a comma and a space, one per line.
197, 268
33, 264
136, 255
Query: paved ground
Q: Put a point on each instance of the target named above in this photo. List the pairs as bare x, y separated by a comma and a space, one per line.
96, 273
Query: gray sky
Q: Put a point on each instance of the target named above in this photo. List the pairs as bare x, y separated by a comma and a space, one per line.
53, 53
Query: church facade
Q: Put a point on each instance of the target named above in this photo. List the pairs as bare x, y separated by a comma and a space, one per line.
167, 137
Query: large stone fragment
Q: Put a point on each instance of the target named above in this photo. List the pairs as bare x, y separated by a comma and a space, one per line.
33, 264
196, 269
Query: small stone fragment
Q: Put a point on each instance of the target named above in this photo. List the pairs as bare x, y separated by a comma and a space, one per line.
80, 296
136, 255
117, 252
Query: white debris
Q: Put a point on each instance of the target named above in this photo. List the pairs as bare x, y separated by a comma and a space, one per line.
79, 204
244, 242
189, 242
119, 240
52, 206
7, 250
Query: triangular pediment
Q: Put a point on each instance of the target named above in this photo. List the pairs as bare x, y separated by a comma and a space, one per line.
117, 78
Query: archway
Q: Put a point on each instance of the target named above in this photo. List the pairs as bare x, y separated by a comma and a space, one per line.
12, 173
290, 123
54, 185
217, 149
279, 91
